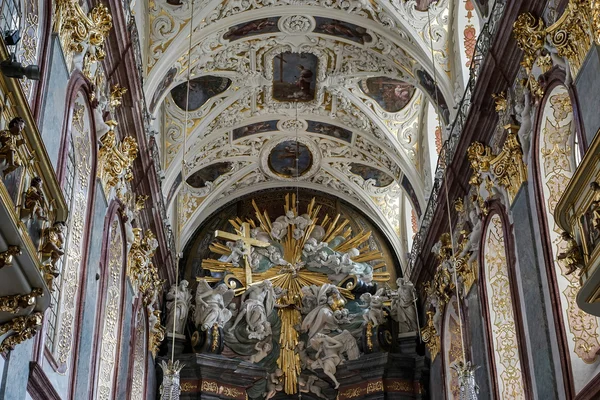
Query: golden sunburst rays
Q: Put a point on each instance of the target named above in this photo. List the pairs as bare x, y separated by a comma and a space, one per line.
293, 276
292, 246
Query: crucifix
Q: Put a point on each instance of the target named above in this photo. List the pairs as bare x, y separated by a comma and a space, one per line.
248, 242
281, 61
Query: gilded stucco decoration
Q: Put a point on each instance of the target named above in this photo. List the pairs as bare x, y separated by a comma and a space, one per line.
505, 169
30, 41
22, 328
7, 256
557, 165
502, 322
564, 43
431, 336
112, 312
68, 284
82, 36
115, 159
16, 303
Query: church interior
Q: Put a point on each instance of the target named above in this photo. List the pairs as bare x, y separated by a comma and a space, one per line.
299, 199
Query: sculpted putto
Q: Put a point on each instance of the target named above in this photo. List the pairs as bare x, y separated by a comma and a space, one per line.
374, 306
211, 305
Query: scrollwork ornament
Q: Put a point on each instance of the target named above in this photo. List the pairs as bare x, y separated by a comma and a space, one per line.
296, 24
115, 160
430, 336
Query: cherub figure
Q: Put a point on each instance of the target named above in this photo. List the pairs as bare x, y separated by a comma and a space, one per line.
34, 200
274, 384
10, 140
571, 256
54, 241
374, 305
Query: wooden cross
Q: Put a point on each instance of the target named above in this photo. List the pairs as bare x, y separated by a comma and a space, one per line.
248, 243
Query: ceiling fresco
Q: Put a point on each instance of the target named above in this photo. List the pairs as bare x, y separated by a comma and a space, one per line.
391, 94
200, 90
328, 95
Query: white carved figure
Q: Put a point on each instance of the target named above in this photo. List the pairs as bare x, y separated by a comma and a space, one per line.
403, 305
320, 305
374, 305
211, 305
308, 384
312, 247
257, 304
263, 348
179, 300
129, 235
274, 384
329, 355
525, 117
237, 253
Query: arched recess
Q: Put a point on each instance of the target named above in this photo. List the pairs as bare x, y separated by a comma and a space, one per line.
453, 348
554, 162
76, 171
110, 306
508, 367
139, 357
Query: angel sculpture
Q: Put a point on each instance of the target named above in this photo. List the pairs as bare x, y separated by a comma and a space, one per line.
403, 305
330, 352
179, 301
211, 305
257, 304
320, 319
374, 306
237, 253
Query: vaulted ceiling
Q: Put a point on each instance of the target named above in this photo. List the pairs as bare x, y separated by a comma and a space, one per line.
341, 85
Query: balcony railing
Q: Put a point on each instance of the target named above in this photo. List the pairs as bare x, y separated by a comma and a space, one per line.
448, 150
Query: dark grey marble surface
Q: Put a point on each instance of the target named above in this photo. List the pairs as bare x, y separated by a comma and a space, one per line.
587, 86
90, 302
478, 346
436, 383
126, 350
16, 372
533, 305
53, 109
